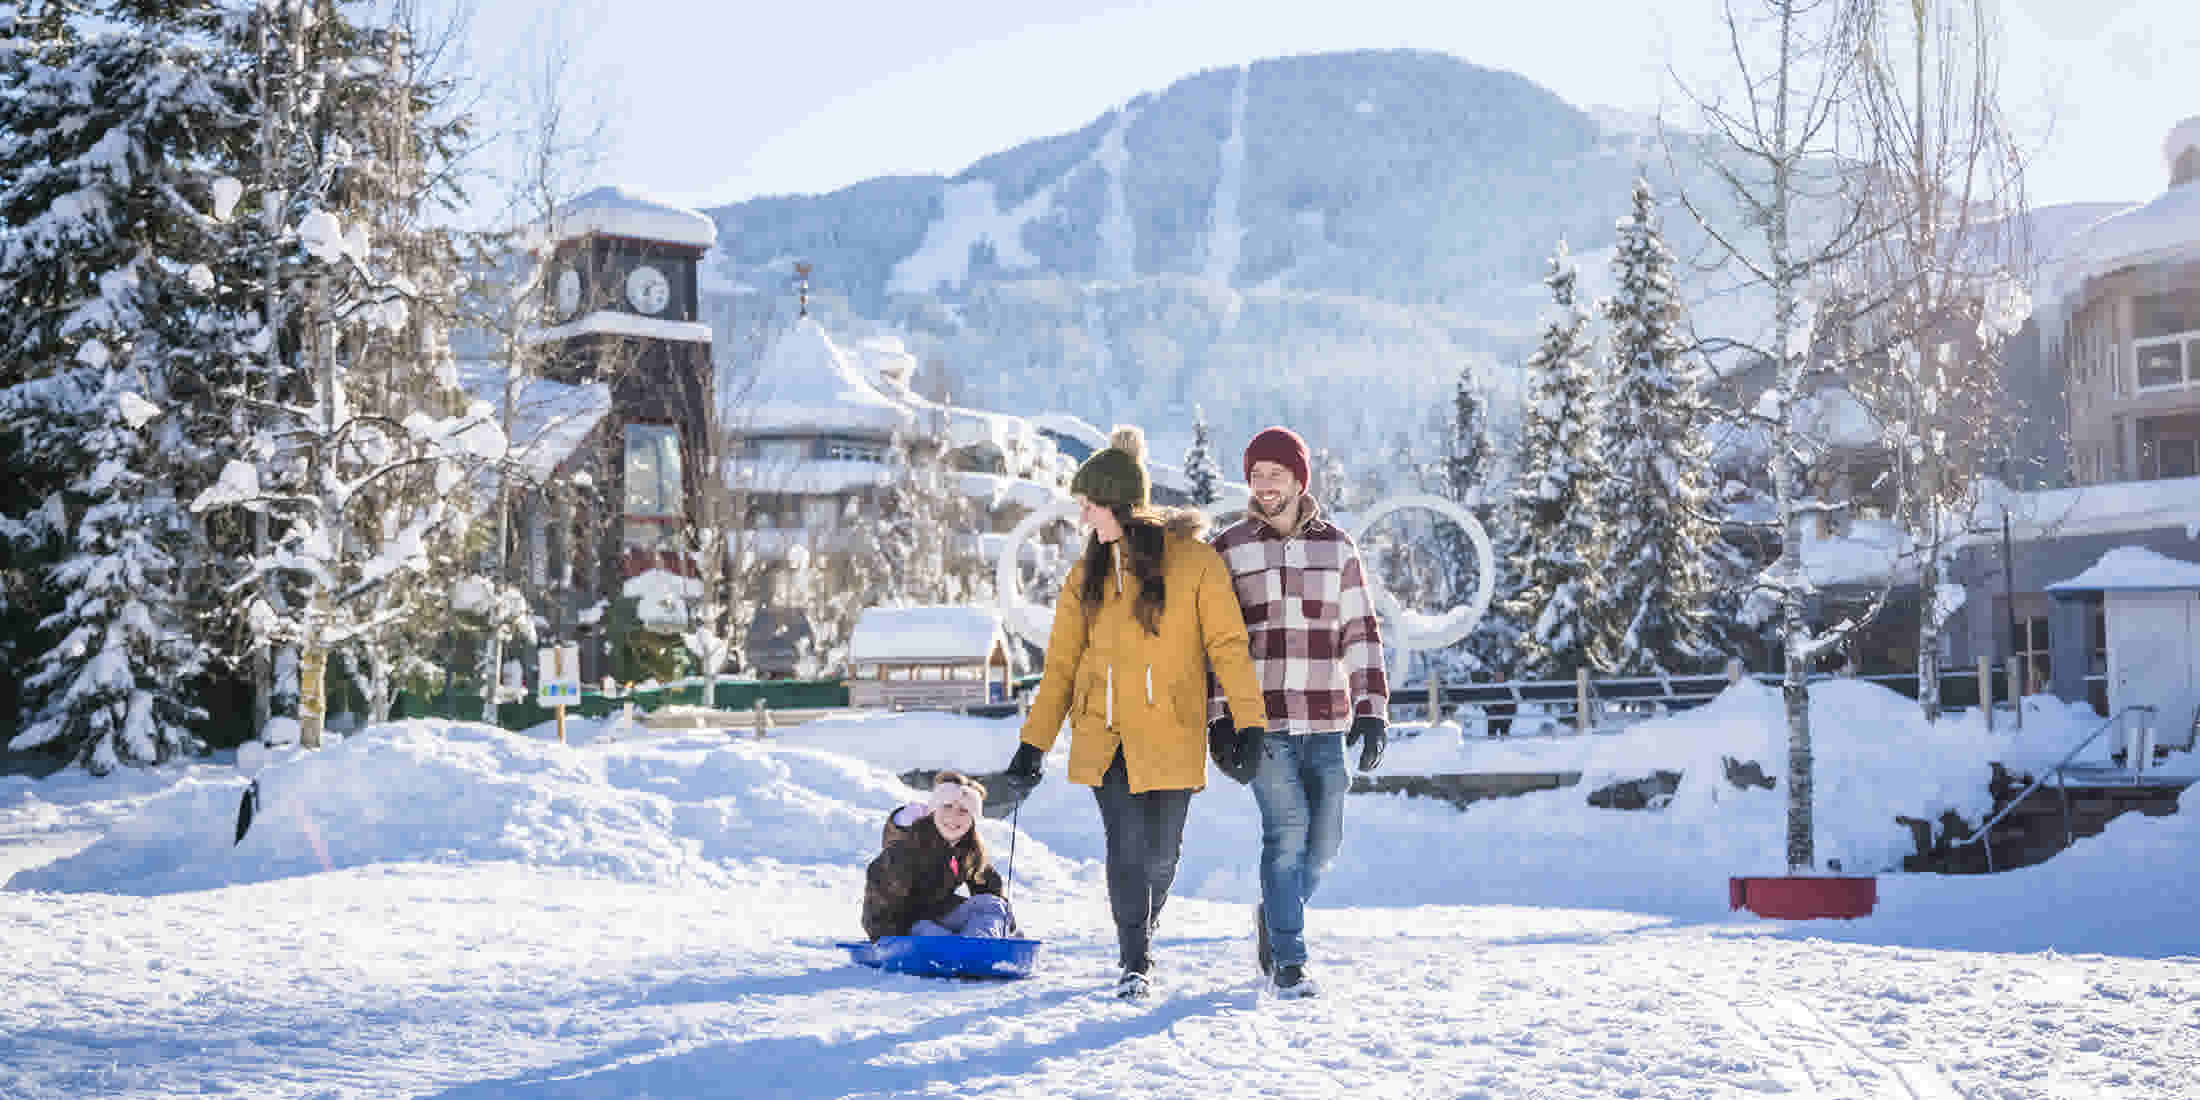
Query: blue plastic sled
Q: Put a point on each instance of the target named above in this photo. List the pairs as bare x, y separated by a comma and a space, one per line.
947, 956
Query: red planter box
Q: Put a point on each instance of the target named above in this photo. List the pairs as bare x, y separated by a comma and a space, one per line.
1804, 897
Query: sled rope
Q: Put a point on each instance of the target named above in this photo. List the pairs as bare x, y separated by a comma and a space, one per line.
1010, 879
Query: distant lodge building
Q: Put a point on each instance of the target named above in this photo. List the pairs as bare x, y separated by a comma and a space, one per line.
2092, 594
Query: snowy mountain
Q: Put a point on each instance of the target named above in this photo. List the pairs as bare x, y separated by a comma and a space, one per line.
1323, 240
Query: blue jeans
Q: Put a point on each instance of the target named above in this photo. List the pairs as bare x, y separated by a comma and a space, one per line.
1300, 788
982, 915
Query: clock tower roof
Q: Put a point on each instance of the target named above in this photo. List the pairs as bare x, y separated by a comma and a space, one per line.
620, 212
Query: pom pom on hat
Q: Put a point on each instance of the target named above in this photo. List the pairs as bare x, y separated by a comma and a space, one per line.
1116, 474
1130, 440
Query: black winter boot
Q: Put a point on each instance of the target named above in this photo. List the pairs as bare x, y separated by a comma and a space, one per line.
1292, 983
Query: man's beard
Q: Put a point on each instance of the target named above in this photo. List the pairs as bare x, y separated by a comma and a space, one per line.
1283, 504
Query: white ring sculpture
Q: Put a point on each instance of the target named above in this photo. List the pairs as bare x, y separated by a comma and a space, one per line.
1036, 624
1386, 605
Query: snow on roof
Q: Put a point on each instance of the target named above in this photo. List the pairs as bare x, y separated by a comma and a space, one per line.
807, 385
620, 212
2113, 508
1871, 552
2164, 230
549, 419
2132, 569
1070, 427
617, 323
661, 597
886, 358
922, 634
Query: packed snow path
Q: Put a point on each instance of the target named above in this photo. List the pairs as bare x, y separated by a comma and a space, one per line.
436, 982
445, 910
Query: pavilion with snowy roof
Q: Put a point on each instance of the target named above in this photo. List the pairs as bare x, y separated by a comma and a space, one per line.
939, 657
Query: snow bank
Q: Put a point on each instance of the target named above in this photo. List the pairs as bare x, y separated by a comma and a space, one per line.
672, 811
702, 809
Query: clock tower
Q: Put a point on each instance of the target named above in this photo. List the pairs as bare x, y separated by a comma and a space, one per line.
620, 311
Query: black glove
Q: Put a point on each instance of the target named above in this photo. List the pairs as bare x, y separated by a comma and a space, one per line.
1252, 746
1023, 768
1235, 751
1222, 743
1369, 732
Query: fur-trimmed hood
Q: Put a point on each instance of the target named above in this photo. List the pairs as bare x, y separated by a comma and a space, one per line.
1188, 522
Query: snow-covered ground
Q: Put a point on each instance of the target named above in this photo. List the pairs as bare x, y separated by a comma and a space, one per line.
448, 910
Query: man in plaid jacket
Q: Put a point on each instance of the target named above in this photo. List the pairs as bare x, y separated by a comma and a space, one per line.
1319, 655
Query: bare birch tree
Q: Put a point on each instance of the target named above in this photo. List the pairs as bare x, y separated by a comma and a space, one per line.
1772, 139
1944, 176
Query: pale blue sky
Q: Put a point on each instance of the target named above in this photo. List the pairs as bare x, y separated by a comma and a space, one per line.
711, 101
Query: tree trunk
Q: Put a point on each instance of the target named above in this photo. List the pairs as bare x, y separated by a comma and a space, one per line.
312, 680
1795, 686
1928, 630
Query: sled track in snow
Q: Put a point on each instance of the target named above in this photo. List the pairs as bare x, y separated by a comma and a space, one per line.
1830, 1064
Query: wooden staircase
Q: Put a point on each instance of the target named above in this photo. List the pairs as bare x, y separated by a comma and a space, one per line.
2049, 820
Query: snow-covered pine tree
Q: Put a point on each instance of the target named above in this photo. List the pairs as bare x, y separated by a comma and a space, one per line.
115, 125
359, 429
1332, 486
1556, 545
1493, 648
1652, 607
1200, 467
1467, 459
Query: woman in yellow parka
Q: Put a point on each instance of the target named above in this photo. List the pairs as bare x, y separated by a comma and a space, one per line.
1140, 621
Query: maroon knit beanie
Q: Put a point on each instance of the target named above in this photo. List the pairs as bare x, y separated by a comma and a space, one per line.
1283, 447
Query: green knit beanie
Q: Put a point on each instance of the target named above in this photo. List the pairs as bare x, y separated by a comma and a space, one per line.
1116, 474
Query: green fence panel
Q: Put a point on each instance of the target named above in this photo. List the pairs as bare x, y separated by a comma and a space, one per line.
731, 695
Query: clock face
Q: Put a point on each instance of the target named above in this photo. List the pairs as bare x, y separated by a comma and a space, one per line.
648, 290
569, 292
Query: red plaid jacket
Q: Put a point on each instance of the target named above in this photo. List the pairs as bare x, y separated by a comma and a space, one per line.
1315, 642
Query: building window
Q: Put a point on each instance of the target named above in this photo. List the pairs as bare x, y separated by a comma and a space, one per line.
2160, 363
2096, 636
2176, 457
820, 513
855, 450
776, 452
655, 500
2032, 649
653, 471
2175, 313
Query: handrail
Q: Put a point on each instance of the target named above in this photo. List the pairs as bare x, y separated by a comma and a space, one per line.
1980, 833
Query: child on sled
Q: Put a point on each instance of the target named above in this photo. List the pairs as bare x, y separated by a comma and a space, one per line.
929, 854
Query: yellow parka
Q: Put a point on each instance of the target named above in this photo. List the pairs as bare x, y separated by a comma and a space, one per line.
1147, 693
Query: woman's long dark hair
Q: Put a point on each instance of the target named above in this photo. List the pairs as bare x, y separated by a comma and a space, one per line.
1145, 537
